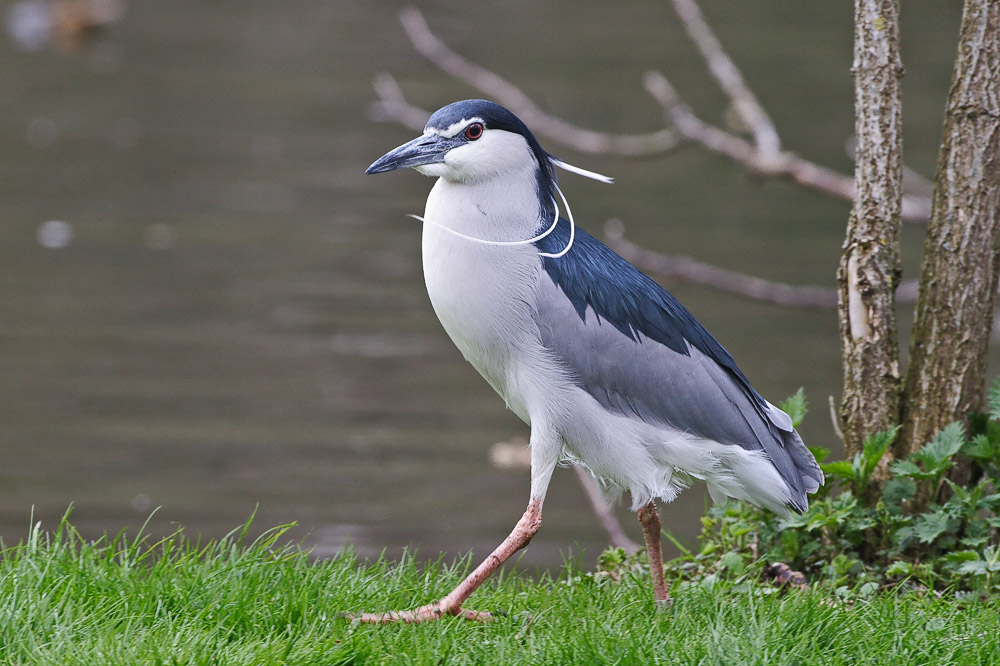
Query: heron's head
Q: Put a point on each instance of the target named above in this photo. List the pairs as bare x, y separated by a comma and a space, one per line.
471, 142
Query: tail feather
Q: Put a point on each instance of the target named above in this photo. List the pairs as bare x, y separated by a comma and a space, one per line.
806, 475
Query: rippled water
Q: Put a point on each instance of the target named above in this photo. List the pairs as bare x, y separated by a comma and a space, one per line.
206, 307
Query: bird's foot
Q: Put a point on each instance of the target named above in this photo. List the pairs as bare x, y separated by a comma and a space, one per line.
423, 614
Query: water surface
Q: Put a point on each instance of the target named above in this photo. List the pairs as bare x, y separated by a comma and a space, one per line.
238, 319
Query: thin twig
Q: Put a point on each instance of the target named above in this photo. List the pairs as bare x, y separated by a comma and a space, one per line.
686, 269
392, 104
759, 158
686, 126
783, 165
604, 513
428, 45
762, 158
729, 78
835, 419
917, 183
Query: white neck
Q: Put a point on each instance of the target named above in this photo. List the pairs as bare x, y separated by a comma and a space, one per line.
499, 209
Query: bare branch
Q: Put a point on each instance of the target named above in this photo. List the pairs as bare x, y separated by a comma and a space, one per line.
917, 183
835, 419
729, 78
506, 93
784, 165
686, 269
604, 513
392, 105
758, 158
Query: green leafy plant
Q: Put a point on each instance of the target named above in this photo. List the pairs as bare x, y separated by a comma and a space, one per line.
857, 472
919, 528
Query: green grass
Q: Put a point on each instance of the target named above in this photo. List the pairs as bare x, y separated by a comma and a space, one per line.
119, 601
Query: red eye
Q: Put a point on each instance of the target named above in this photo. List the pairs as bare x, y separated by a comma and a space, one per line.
474, 131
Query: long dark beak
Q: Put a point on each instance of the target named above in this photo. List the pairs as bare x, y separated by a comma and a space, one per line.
425, 149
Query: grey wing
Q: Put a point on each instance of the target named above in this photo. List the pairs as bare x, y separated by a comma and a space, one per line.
691, 393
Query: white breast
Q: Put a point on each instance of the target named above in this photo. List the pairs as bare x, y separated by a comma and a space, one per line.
484, 295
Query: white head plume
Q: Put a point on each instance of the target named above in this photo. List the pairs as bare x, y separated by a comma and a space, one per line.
581, 172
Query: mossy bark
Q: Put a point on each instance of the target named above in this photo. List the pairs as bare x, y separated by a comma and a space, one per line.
958, 284
870, 267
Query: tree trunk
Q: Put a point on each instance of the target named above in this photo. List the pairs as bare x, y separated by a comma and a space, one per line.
958, 283
870, 268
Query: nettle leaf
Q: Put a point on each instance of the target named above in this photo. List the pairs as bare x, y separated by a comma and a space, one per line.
844, 503
862, 523
867, 459
993, 399
903, 536
975, 540
798, 519
991, 501
897, 491
796, 406
899, 568
930, 526
875, 447
961, 495
980, 448
973, 567
820, 453
906, 468
838, 469
817, 521
946, 444
961, 556
733, 562
868, 590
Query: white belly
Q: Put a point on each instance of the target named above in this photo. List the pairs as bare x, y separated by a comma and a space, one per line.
484, 297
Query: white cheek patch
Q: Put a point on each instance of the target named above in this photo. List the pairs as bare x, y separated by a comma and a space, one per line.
454, 128
496, 152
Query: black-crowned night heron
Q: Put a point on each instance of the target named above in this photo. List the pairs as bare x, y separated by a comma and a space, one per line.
609, 369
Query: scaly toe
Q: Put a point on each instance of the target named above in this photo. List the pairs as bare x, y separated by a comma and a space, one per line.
422, 614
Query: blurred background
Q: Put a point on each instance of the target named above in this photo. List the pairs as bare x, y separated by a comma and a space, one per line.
207, 307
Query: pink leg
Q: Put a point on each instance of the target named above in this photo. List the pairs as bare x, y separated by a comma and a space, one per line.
649, 518
451, 604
